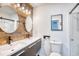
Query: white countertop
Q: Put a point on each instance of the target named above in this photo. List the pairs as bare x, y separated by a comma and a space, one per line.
9, 49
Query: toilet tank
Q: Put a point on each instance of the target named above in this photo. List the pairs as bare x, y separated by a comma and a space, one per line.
56, 47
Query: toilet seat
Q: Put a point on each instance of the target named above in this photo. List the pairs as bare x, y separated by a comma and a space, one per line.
55, 54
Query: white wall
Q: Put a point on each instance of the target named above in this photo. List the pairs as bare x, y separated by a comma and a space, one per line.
42, 23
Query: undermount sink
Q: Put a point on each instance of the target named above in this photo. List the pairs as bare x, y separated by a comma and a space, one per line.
54, 42
12, 47
5, 47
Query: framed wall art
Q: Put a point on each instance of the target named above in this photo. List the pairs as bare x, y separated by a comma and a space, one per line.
57, 22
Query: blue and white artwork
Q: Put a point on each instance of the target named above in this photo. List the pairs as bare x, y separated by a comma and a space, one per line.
55, 24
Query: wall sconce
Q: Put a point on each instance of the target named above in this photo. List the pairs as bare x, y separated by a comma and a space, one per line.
18, 5
29, 12
23, 7
26, 10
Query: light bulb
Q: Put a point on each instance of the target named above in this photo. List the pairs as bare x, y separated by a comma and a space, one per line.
26, 10
15, 6
23, 8
18, 5
29, 12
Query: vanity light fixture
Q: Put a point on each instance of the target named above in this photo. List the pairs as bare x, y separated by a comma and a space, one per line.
26, 11
15, 6
22, 8
29, 12
18, 5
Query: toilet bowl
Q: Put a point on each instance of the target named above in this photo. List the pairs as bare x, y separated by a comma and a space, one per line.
55, 54
56, 48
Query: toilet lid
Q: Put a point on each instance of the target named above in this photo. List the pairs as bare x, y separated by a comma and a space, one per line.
55, 54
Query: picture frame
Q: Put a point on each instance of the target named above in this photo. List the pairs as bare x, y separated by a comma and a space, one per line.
57, 22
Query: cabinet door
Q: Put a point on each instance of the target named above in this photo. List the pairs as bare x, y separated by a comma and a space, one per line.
37, 46
28, 52
32, 49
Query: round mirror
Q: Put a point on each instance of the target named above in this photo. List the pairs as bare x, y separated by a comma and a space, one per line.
8, 19
28, 23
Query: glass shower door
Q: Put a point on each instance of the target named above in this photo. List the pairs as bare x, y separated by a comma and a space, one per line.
74, 34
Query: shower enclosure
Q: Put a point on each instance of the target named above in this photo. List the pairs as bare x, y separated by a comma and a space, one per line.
74, 31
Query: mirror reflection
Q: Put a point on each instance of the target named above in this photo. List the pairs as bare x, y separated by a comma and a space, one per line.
28, 23
8, 19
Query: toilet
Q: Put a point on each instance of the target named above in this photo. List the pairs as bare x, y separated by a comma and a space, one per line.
56, 48
55, 54
52, 48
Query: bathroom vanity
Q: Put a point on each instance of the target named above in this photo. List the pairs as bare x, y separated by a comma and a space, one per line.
26, 47
30, 50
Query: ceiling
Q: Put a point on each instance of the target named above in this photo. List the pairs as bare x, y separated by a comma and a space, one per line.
37, 4
41, 4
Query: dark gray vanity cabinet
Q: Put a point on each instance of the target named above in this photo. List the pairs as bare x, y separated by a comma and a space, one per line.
31, 50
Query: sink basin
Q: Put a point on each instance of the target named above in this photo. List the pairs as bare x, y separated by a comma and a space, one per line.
5, 47
11, 49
